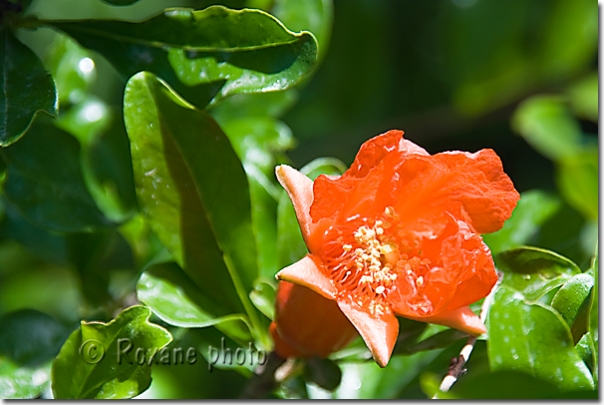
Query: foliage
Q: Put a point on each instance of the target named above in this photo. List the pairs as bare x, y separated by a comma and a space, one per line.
138, 202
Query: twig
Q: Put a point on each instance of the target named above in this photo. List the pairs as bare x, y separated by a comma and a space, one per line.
263, 381
456, 369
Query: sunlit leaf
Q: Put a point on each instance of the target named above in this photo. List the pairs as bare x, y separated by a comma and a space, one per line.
510, 384
17, 382
570, 297
44, 182
534, 339
27, 90
95, 362
212, 52
173, 297
193, 189
534, 271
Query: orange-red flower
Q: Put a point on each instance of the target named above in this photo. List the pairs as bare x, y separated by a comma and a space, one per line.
397, 234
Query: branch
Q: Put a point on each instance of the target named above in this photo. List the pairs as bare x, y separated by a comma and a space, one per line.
456, 369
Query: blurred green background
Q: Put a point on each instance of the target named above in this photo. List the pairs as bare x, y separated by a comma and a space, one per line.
518, 76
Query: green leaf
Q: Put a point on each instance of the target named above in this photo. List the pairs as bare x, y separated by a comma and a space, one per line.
95, 256
534, 208
583, 97
173, 297
315, 16
30, 338
507, 384
44, 182
577, 178
534, 339
200, 213
17, 382
547, 125
258, 141
27, 88
49, 246
263, 297
570, 297
437, 341
216, 52
534, 271
593, 320
95, 362
323, 372
273, 104
120, 2
72, 68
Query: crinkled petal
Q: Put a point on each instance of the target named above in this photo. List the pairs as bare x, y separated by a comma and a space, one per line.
445, 181
300, 191
378, 331
306, 272
452, 269
462, 319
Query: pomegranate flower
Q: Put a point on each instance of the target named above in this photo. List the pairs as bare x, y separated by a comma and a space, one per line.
398, 234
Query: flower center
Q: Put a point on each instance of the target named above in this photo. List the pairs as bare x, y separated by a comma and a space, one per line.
364, 261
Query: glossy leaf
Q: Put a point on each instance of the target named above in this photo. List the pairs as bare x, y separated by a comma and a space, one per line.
570, 297
72, 68
200, 214
200, 53
534, 271
593, 320
173, 297
534, 339
546, 124
27, 90
509, 384
17, 382
44, 182
534, 208
95, 363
